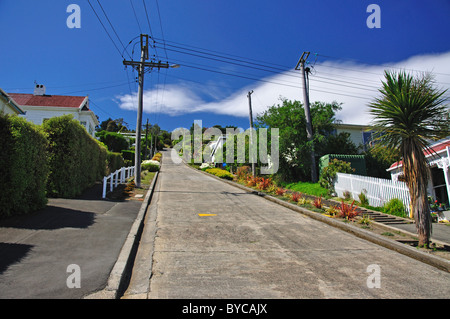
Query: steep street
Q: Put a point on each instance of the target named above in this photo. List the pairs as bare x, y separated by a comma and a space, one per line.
206, 239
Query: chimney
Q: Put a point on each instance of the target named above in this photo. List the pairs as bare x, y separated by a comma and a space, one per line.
39, 89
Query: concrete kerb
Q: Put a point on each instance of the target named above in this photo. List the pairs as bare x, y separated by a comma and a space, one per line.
120, 274
409, 251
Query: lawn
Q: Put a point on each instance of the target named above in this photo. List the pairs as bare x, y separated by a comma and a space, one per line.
307, 188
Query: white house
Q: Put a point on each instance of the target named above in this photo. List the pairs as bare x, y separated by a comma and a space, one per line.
8, 106
360, 135
439, 163
39, 107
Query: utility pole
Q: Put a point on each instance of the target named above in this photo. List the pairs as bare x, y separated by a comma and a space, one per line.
140, 66
301, 66
146, 140
250, 149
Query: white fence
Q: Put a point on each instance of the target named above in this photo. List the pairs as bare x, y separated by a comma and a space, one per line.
377, 190
119, 176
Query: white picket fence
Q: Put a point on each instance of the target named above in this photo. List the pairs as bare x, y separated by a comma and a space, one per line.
377, 190
119, 176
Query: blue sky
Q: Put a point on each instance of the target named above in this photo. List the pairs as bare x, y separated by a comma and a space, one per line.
246, 45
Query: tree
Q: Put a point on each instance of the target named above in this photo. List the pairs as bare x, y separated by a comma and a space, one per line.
408, 115
110, 125
289, 118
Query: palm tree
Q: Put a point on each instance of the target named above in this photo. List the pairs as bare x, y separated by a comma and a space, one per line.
410, 114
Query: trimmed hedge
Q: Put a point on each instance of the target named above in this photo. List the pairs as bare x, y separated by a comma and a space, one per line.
114, 141
115, 161
77, 160
23, 166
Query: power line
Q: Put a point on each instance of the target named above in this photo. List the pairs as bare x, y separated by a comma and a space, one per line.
137, 20
162, 32
267, 81
105, 29
221, 53
96, 89
109, 21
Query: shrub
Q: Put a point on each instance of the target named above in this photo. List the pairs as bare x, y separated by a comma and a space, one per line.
220, 173
157, 157
205, 166
347, 211
318, 202
280, 191
332, 211
363, 199
347, 195
115, 161
115, 142
242, 172
76, 159
395, 207
23, 166
252, 180
128, 156
150, 165
295, 196
328, 174
264, 183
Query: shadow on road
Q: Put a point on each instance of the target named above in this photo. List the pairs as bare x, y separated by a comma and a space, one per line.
11, 254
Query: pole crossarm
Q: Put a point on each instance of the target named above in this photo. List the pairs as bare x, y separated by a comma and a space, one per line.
158, 65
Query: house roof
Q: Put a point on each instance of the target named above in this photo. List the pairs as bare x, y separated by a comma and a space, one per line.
47, 100
11, 102
435, 148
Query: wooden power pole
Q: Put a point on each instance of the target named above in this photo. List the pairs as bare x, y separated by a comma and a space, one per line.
250, 149
309, 133
140, 66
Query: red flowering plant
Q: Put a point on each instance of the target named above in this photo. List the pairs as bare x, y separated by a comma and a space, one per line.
347, 211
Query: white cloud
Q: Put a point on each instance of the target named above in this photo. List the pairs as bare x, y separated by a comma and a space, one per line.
352, 84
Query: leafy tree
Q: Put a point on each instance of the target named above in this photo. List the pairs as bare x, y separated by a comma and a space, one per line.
410, 113
289, 118
110, 125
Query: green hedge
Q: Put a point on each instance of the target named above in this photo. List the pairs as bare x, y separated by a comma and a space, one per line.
114, 141
77, 160
115, 161
23, 166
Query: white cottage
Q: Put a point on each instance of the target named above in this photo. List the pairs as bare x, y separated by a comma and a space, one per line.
39, 107
439, 163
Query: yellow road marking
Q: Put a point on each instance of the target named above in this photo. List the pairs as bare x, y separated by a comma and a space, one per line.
201, 215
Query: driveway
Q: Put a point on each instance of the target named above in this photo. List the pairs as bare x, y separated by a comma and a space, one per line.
42, 254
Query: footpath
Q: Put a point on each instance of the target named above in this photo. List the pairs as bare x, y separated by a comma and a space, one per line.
67, 250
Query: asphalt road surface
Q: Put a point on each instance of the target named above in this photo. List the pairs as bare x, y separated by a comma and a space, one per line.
66, 250
207, 239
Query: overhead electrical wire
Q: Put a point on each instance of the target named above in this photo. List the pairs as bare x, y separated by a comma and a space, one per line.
137, 20
112, 27
319, 76
114, 43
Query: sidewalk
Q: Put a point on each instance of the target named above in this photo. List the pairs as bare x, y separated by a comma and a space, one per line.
36, 249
